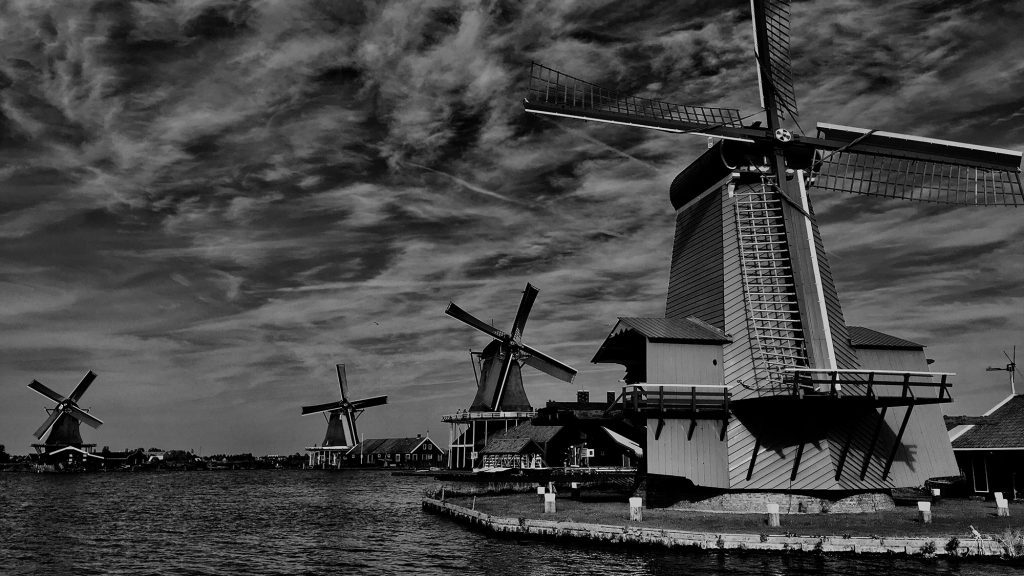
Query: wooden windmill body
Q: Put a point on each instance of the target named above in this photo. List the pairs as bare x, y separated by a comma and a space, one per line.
753, 380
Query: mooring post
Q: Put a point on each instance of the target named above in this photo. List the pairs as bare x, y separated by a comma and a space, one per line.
773, 514
474, 503
924, 512
1002, 506
575, 486
549, 503
636, 507
442, 493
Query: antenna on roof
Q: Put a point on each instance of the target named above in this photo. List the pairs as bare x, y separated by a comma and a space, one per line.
1011, 368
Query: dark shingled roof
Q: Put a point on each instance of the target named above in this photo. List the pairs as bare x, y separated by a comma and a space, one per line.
388, 445
538, 433
861, 337
510, 446
676, 329
1002, 428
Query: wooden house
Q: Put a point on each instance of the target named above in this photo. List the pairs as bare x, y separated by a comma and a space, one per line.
518, 452
418, 452
991, 453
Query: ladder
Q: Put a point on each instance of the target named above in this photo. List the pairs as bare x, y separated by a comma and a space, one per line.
769, 293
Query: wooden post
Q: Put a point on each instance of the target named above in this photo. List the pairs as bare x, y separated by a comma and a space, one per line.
549, 503
474, 503
924, 511
773, 515
636, 508
1002, 506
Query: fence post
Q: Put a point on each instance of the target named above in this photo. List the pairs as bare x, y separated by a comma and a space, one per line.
636, 509
924, 511
773, 515
549, 503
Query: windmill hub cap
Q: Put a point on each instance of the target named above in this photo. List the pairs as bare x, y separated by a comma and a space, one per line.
783, 135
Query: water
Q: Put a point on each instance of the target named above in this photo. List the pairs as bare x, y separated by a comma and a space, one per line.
316, 522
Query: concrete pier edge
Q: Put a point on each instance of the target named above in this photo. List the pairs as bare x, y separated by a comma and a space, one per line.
632, 534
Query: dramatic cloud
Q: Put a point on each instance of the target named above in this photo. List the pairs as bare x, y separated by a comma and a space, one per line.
211, 203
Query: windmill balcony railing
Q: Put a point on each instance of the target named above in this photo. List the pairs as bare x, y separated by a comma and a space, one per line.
506, 415
690, 399
888, 387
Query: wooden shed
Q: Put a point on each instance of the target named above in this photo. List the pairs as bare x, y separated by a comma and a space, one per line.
991, 453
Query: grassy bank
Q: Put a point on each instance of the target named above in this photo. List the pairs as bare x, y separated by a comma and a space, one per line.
949, 518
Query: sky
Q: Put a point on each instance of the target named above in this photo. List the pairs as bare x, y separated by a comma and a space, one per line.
210, 203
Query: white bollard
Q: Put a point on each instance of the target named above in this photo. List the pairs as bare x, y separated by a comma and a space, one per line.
1002, 506
924, 511
549, 503
773, 515
636, 506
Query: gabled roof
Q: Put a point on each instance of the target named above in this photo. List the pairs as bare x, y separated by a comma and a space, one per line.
74, 449
390, 445
539, 434
1002, 427
675, 329
617, 345
861, 337
510, 446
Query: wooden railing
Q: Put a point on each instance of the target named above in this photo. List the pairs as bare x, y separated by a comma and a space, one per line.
876, 384
467, 416
662, 398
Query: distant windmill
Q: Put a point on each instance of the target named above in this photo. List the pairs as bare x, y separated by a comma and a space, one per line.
749, 261
63, 420
341, 423
500, 402
1011, 368
500, 385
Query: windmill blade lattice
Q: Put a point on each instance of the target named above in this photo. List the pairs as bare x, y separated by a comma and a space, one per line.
900, 166
552, 92
775, 69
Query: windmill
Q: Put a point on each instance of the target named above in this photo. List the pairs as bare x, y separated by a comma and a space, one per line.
63, 420
1011, 368
500, 402
748, 260
341, 417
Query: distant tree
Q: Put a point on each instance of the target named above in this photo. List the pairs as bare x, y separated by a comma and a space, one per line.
4, 456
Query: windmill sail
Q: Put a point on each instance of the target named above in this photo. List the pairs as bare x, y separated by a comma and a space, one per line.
907, 167
771, 43
554, 93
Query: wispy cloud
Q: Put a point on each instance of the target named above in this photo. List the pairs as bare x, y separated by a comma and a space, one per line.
212, 203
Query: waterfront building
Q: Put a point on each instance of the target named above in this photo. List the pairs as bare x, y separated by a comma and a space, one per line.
418, 452
990, 452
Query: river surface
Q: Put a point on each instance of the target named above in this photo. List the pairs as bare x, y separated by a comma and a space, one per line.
323, 522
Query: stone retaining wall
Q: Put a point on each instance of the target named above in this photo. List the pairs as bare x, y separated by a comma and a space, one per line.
709, 541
